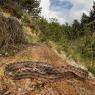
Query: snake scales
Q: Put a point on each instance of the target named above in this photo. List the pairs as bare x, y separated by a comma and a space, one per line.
29, 69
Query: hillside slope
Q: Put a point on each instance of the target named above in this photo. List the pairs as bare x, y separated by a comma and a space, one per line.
43, 53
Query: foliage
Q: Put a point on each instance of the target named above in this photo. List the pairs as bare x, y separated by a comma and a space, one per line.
76, 39
84, 19
11, 35
31, 6
18, 6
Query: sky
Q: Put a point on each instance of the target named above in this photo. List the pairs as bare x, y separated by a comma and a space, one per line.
65, 10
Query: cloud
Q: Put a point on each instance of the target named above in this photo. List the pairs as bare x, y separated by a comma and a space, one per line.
65, 10
57, 5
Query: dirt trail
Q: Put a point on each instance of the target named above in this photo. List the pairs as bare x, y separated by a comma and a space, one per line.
32, 86
39, 53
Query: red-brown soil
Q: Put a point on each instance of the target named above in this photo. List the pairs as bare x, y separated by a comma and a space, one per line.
42, 53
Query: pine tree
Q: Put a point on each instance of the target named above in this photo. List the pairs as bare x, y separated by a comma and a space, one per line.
76, 29
92, 13
84, 19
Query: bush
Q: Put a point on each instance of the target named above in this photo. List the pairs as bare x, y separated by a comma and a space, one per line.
10, 33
